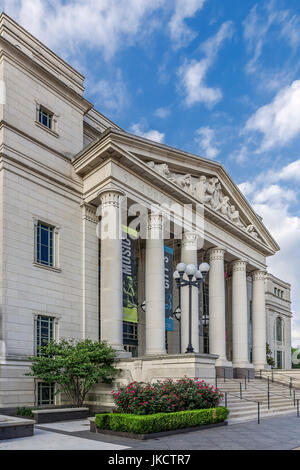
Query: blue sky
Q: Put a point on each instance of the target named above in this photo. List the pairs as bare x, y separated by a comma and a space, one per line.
220, 78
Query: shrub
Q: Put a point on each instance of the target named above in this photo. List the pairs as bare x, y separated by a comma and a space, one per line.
74, 366
23, 411
166, 397
160, 421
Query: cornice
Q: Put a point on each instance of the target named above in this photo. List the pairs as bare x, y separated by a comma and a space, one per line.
7, 125
18, 57
43, 173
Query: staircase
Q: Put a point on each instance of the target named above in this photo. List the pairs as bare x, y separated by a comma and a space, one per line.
281, 399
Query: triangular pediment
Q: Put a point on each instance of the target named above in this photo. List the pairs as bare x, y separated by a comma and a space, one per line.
209, 190
185, 176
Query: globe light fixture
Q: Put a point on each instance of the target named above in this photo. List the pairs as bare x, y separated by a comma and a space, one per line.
190, 270
195, 278
180, 268
204, 268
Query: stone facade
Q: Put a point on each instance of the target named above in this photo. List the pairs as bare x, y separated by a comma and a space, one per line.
278, 308
80, 169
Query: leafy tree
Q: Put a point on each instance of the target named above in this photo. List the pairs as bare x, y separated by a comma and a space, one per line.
74, 366
270, 360
295, 358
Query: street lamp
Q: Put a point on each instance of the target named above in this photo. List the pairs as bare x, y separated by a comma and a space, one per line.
195, 278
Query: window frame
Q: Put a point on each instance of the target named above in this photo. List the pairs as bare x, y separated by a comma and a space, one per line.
51, 388
52, 118
55, 245
45, 113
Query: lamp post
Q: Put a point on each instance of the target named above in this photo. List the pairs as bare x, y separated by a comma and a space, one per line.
195, 278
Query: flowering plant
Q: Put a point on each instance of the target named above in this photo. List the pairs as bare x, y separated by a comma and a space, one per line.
166, 396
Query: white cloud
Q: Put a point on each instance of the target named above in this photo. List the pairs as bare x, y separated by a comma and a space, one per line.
192, 74
275, 203
111, 95
180, 33
65, 26
268, 24
278, 121
153, 134
205, 138
162, 112
273, 193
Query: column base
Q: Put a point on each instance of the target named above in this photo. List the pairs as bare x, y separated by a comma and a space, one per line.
260, 366
242, 372
224, 372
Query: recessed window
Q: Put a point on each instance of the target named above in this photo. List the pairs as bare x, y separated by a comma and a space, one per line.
44, 332
44, 244
45, 117
45, 394
279, 329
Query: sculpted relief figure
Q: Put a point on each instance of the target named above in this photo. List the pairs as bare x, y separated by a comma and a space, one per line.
161, 168
208, 191
184, 181
234, 216
251, 230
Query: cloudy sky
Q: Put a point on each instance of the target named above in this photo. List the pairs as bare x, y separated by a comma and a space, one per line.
220, 78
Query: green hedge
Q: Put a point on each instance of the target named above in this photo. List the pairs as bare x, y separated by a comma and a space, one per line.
145, 424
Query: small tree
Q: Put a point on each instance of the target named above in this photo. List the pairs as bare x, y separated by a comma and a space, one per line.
295, 358
270, 360
74, 366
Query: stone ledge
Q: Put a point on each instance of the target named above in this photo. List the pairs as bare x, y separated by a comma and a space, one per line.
11, 427
156, 435
59, 414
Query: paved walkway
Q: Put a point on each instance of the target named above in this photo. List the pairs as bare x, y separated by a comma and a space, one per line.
277, 433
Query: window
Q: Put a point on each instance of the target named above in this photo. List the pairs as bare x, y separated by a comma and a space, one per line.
45, 117
279, 329
44, 331
45, 394
44, 244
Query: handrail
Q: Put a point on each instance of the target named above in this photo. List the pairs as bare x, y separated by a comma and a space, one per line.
273, 372
245, 399
269, 393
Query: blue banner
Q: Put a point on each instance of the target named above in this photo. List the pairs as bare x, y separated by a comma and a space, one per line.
169, 288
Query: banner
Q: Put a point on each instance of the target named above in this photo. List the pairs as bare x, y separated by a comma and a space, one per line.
129, 270
169, 288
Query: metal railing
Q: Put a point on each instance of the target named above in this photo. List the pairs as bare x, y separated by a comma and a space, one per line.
248, 385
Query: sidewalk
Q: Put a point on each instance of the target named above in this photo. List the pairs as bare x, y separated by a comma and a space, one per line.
277, 433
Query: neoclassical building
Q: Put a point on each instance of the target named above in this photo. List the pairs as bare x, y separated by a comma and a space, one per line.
71, 182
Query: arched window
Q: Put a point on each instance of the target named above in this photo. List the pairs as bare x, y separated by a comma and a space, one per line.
279, 326
275, 291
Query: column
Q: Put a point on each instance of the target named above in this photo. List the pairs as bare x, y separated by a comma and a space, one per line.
111, 295
155, 287
189, 256
217, 324
258, 320
240, 354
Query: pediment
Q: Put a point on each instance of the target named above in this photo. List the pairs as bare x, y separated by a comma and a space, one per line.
209, 190
184, 176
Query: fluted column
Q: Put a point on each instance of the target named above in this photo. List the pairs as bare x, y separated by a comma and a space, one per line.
258, 320
111, 269
189, 256
155, 287
217, 325
240, 354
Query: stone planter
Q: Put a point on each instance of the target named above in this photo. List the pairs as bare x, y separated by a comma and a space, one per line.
59, 414
11, 427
